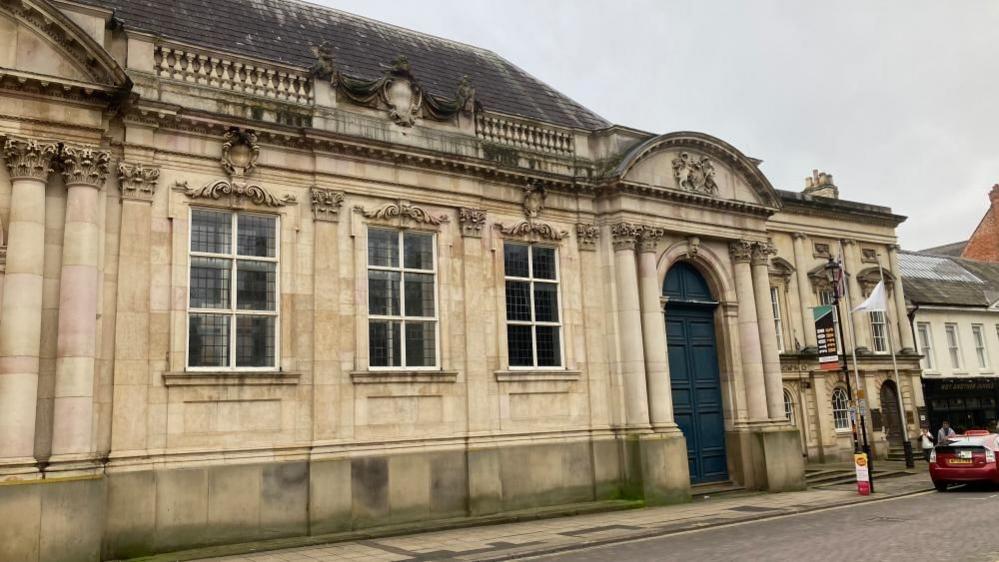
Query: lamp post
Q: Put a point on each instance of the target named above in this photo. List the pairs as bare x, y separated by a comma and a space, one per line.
834, 274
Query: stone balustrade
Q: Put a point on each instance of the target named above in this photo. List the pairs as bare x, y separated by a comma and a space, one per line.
184, 65
501, 130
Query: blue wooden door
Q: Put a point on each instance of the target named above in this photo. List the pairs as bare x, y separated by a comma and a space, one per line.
694, 376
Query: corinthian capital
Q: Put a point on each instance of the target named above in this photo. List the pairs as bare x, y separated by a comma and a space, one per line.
762, 252
84, 165
741, 251
649, 238
138, 181
625, 235
29, 158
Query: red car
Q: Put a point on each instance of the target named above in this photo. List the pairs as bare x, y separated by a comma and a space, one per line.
965, 458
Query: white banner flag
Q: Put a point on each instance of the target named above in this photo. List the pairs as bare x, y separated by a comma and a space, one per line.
876, 302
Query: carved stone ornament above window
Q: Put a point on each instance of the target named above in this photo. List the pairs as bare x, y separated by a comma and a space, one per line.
695, 173
239, 159
693, 246
532, 229
403, 212
397, 91
587, 236
472, 221
821, 250
137, 181
326, 204
868, 255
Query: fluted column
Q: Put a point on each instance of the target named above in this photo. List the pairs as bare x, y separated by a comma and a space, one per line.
84, 170
906, 341
28, 162
749, 331
629, 319
768, 335
861, 320
804, 291
654, 332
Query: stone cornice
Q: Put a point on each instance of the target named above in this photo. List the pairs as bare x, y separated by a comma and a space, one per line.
85, 165
138, 182
29, 158
175, 118
686, 197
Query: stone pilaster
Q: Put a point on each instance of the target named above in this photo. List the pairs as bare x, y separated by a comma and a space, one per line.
805, 299
632, 361
906, 341
132, 314
29, 163
654, 332
749, 331
84, 170
768, 335
861, 320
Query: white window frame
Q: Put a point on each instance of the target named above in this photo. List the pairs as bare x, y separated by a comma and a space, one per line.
926, 345
981, 351
402, 318
953, 340
778, 321
840, 410
789, 407
532, 322
826, 297
879, 331
233, 311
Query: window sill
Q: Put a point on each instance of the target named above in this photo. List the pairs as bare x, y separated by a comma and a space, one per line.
403, 376
536, 375
230, 378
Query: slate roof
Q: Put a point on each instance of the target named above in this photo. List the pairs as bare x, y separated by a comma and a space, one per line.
948, 281
953, 249
284, 31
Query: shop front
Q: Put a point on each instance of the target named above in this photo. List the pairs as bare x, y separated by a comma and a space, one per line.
967, 403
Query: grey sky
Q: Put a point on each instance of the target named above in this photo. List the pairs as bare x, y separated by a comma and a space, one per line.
898, 99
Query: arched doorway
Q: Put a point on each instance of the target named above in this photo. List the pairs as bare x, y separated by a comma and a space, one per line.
694, 376
890, 415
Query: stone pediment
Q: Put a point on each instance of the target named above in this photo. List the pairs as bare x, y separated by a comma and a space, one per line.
699, 165
39, 42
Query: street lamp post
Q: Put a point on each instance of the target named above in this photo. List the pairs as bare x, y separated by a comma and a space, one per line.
834, 274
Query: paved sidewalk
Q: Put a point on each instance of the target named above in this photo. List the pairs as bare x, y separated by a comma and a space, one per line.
518, 540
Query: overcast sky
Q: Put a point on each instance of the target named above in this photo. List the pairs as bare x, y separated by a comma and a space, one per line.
898, 99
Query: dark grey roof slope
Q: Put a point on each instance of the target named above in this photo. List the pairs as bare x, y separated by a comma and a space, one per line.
948, 281
284, 31
953, 249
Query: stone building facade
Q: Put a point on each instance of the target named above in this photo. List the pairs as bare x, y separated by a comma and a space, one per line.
265, 278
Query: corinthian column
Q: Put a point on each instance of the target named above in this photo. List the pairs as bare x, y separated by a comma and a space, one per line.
768, 332
749, 331
629, 320
804, 294
28, 162
906, 342
84, 171
654, 332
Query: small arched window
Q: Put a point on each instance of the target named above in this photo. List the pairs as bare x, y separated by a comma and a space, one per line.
788, 407
841, 409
